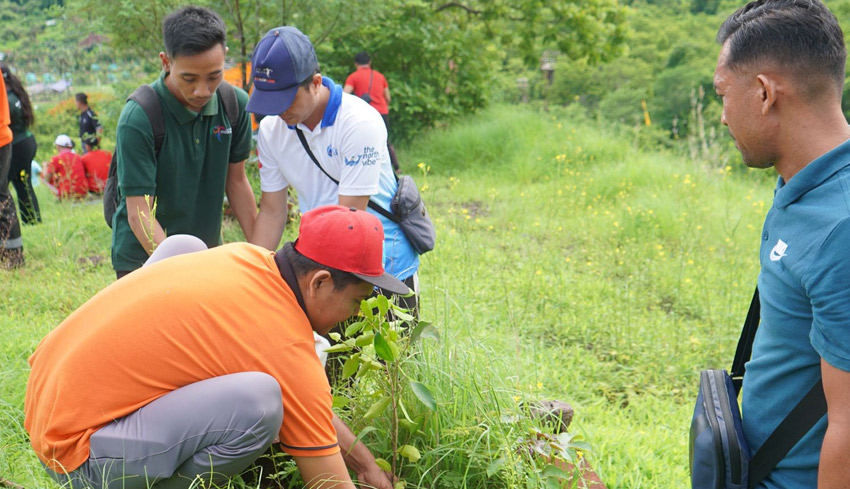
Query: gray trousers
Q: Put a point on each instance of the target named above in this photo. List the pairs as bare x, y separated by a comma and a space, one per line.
212, 429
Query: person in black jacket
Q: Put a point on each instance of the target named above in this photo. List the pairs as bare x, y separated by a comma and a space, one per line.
23, 147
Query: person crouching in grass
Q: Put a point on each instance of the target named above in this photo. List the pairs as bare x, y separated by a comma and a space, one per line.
190, 368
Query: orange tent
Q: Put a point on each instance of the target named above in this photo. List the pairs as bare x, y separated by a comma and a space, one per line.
233, 75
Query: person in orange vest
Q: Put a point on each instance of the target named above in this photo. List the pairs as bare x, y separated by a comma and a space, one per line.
65, 174
11, 244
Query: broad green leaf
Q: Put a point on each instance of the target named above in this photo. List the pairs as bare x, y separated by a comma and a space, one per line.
424, 330
495, 466
410, 452
353, 328
383, 464
335, 336
424, 395
383, 306
339, 347
555, 472
349, 368
410, 426
365, 366
382, 349
377, 408
400, 485
394, 347
402, 313
366, 308
341, 401
364, 339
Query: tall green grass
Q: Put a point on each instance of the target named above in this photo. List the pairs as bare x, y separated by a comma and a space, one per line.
569, 265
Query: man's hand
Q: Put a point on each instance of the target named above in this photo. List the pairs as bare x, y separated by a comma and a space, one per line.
374, 476
359, 459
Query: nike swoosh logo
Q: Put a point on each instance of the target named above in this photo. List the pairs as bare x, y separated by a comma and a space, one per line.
778, 251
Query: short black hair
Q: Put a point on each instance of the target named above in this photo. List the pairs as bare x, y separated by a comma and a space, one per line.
82, 98
192, 30
801, 36
362, 58
302, 265
305, 83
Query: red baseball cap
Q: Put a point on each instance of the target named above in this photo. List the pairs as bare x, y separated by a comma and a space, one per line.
350, 240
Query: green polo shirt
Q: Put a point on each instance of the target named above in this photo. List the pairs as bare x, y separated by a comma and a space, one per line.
189, 176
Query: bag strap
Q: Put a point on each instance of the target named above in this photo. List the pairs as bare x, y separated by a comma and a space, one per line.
791, 430
148, 100
372, 204
745, 343
231, 104
799, 421
369, 90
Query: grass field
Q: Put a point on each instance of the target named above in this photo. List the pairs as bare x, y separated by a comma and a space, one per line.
570, 265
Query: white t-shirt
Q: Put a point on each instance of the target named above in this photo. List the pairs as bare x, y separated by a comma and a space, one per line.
351, 145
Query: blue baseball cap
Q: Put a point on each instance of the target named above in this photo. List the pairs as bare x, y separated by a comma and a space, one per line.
282, 59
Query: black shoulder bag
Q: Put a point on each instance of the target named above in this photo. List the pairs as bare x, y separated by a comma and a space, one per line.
719, 454
408, 209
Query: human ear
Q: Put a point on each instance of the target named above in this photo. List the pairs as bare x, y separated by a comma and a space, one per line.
321, 278
768, 90
165, 62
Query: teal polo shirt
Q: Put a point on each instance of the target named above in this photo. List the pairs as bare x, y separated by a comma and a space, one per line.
187, 179
804, 287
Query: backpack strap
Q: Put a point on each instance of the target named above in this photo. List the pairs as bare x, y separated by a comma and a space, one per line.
231, 104
147, 98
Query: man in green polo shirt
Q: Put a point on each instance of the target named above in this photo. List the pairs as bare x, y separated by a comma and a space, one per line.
203, 154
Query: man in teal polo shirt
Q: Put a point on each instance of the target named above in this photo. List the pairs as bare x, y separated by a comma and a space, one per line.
202, 157
780, 75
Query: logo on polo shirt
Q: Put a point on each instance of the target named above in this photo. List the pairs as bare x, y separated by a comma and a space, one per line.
352, 161
332, 152
778, 251
217, 131
370, 156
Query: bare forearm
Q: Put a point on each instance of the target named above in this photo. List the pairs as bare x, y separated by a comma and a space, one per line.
833, 471
146, 228
268, 229
358, 457
241, 199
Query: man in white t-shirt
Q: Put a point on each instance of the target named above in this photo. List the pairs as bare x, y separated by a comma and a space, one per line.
346, 136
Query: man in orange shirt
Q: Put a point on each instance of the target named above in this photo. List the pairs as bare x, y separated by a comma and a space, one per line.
216, 346
96, 164
65, 174
11, 244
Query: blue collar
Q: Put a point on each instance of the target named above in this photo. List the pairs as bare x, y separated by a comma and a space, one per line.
334, 101
812, 175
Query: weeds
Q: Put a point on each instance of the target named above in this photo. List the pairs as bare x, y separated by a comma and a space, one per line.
571, 265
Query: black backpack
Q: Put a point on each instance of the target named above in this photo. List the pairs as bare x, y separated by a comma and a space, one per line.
147, 98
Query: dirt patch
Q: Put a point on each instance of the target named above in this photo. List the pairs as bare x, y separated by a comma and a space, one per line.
475, 208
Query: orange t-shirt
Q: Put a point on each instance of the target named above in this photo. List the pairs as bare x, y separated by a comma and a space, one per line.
5, 118
67, 175
96, 164
182, 320
359, 80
